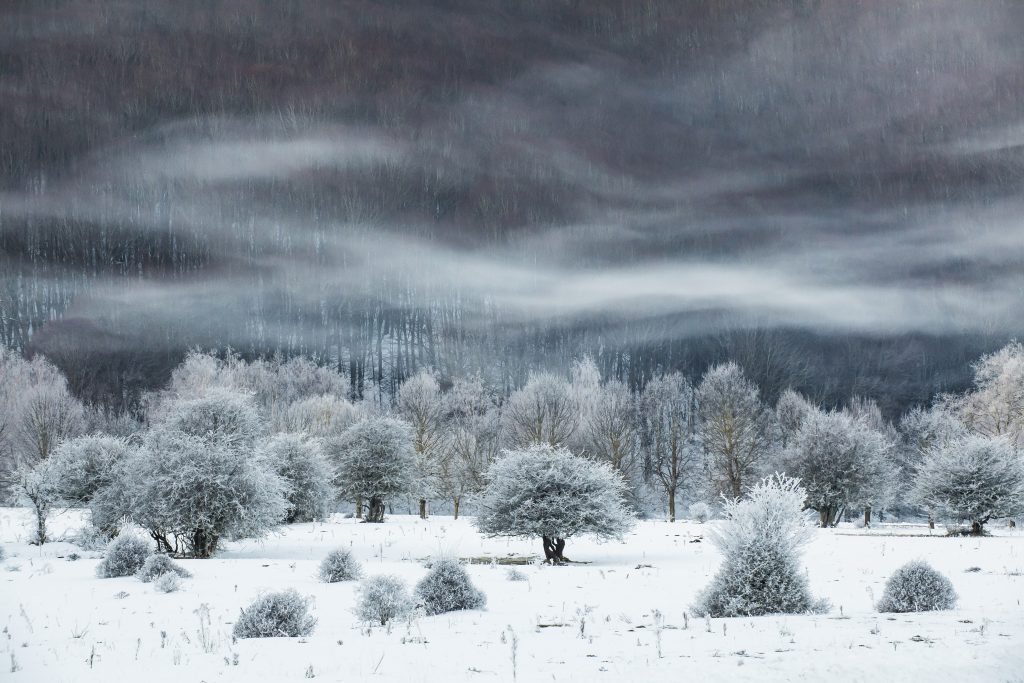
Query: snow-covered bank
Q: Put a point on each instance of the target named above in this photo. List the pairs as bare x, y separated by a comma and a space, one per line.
584, 622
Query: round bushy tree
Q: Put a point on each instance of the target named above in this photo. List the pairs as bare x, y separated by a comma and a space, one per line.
972, 479
916, 587
201, 491
547, 492
760, 543
383, 598
700, 511
302, 465
374, 461
339, 565
447, 588
274, 615
125, 556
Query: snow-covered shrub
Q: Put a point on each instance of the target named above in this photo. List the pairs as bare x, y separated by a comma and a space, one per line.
87, 464
549, 493
200, 487
274, 615
307, 473
917, 587
972, 480
375, 461
126, 555
159, 564
90, 537
383, 598
167, 583
700, 512
516, 575
447, 588
339, 565
760, 544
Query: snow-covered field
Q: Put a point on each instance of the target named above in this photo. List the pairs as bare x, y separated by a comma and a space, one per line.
584, 622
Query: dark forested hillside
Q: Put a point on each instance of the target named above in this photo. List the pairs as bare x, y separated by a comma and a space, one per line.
828, 193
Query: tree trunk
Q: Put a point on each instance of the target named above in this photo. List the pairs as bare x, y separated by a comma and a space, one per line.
375, 510
672, 507
976, 529
455, 507
931, 520
359, 507
423, 508
823, 514
867, 515
203, 544
553, 548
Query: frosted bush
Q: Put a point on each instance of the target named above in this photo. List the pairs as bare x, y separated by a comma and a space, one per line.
339, 565
447, 588
700, 512
916, 587
275, 615
126, 555
158, 565
383, 598
167, 583
760, 545
90, 537
516, 575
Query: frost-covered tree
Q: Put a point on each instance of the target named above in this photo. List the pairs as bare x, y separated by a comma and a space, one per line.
841, 462
303, 466
973, 480
548, 493
197, 477
37, 413
383, 598
736, 429
421, 404
760, 544
995, 406
374, 460
790, 411
319, 416
197, 491
472, 441
922, 430
609, 431
668, 410
38, 487
544, 411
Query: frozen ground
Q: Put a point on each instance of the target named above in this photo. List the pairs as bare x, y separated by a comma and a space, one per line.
592, 622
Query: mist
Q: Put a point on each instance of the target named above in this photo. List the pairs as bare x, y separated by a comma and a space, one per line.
623, 177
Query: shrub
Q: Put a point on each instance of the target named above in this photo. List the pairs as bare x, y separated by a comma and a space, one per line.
383, 598
447, 588
700, 512
760, 544
916, 587
516, 575
158, 565
167, 583
90, 537
339, 565
126, 555
276, 614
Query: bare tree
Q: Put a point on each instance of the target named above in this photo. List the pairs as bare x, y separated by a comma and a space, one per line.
420, 403
542, 412
669, 424
736, 429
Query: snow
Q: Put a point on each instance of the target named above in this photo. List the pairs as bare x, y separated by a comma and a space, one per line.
64, 624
